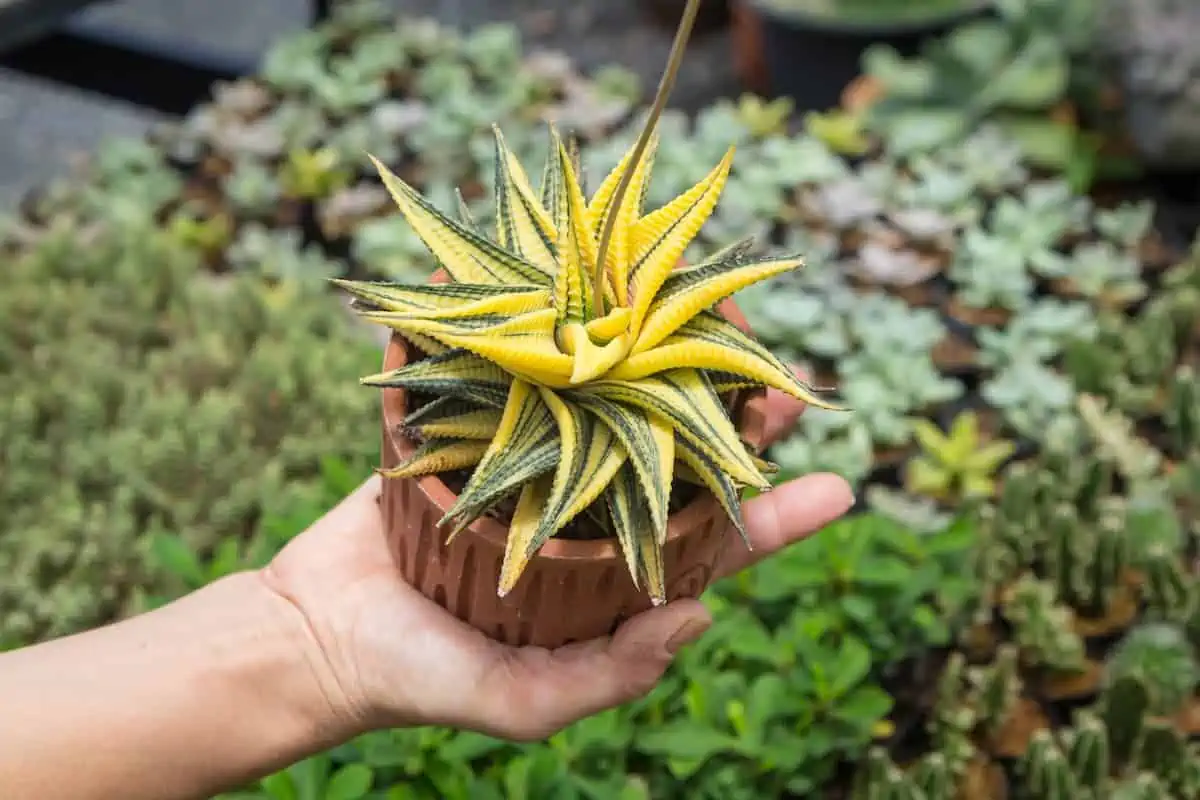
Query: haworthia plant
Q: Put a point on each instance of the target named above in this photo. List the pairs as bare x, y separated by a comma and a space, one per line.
600, 351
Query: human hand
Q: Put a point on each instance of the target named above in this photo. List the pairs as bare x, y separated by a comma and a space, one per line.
396, 659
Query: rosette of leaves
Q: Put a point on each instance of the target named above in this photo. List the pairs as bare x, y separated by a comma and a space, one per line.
957, 464
572, 358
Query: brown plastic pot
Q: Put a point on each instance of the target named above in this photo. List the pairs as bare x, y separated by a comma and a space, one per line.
571, 590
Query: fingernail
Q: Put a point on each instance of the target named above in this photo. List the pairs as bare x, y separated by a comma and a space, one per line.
688, 632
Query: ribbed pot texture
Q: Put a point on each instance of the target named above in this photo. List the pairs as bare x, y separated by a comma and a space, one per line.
571, 590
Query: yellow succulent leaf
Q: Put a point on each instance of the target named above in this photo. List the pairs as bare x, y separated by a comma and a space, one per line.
661, 239
989, 457
576, 246
523, 446
688, 292
478, 424
978, 486
611, 325
685, 399
617, 258
467, 256
522, 225
522, 544
923, 477
590, 360
711, 343
649, 442
930, 438
438, 455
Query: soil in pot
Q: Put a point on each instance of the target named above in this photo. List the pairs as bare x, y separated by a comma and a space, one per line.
573, 589
812, 56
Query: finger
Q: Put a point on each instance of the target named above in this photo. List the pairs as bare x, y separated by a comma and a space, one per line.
546, 691
787, 514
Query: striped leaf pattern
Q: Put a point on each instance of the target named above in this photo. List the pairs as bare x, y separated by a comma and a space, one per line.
574, 365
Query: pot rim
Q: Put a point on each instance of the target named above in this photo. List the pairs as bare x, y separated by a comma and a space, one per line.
681, 523
799, 18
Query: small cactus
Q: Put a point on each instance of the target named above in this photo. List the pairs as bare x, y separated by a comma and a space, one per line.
1088, 752
1123, 708
933, 778
1182, 413
1162, 752
880, 779
997, 688
1045, 771
1160, 656
1042, 627
1167, 593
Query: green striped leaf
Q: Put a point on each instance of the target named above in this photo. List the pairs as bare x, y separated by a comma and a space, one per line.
686, 399
632, 525
589, 457
466, 255
716, 481
457, 374
395, 296
650, 443
524, 445
522, 224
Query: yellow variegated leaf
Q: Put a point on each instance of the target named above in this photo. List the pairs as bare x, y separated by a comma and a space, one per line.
590, 360
616, 260
437, 409
611, 325
650, 443
590, 456
467, 256
464, 214
709, 342
667, 235
523, 532
725, 382
629, 517
575, 246
478, 424
423, 343
688, 292
394, 296
456, 373
632, 525
685, 398
717, 482
524, 445
522, 225
438, 455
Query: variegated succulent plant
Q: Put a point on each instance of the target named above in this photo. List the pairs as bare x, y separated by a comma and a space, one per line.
575, 363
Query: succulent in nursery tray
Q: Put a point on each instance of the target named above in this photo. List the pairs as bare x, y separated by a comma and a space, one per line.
572, 358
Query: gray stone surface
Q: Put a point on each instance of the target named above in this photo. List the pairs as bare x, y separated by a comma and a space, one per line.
43, 125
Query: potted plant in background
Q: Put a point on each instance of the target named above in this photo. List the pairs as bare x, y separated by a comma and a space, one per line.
811, 49
565, 413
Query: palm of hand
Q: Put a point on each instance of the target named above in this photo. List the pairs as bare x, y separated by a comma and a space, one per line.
398, 659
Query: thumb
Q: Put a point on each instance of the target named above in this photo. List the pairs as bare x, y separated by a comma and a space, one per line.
583, 679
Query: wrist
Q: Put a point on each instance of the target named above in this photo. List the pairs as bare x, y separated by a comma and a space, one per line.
322, 708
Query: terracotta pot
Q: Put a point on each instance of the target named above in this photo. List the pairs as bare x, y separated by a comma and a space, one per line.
571, 590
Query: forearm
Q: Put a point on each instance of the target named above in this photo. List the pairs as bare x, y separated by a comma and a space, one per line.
200, 696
